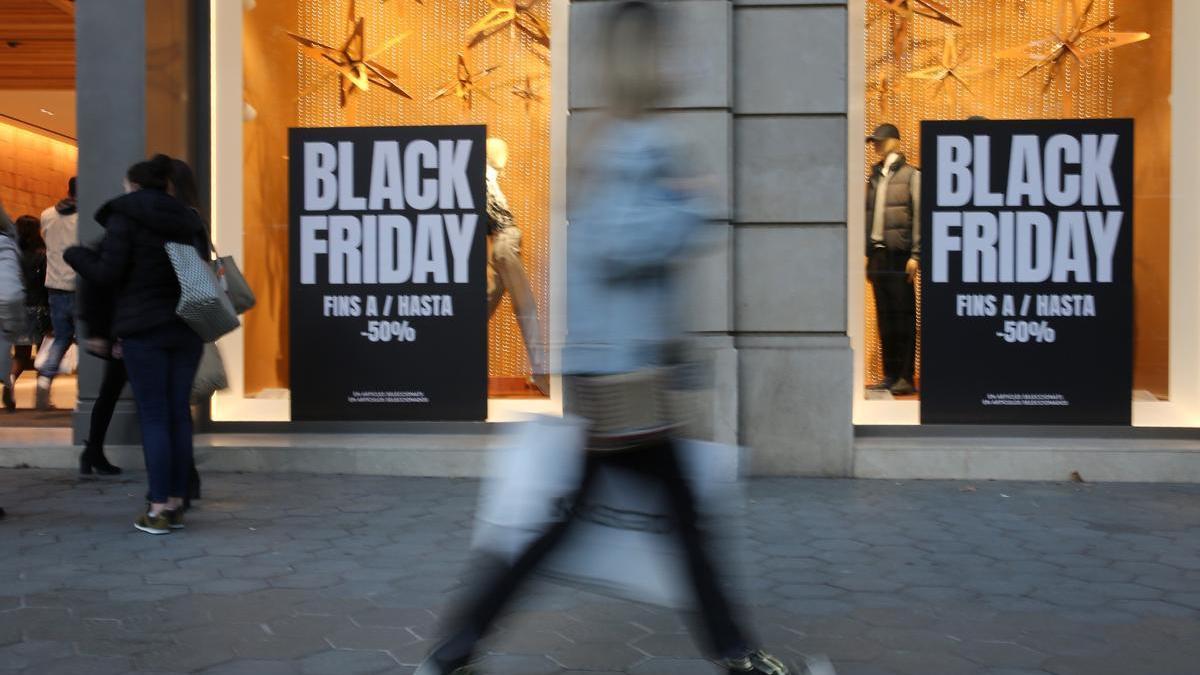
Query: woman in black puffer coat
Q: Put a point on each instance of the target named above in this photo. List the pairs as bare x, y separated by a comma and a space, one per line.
161, 352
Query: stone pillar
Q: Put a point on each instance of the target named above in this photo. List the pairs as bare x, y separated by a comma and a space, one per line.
111, 112
790, 147
698, 107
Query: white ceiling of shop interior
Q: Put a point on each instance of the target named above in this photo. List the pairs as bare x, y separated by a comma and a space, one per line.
47, 110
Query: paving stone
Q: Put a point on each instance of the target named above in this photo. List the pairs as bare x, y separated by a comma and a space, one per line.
924, 663
85, 665
667, 646
907, 577
279, 648
864, 583
26, 654
370, 637
228, 586
806, 591
597, 656
346, 662
675, 667
184, 658
254, 667
148, 593
395, 617
999, 653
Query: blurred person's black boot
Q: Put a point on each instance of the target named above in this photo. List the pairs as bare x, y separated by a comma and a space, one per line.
92, 460
764, 663
9, 400
452, 657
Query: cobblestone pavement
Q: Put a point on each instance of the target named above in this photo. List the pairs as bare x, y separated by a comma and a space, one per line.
337, 574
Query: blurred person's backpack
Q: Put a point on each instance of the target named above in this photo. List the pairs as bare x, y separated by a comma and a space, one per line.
13, 317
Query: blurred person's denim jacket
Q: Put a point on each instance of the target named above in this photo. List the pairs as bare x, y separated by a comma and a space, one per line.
630, 224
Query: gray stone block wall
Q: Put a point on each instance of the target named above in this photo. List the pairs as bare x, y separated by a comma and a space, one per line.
111, 112
789, 121
697, 53
758, 89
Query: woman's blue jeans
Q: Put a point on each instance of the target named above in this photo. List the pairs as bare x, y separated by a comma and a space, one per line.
162, 364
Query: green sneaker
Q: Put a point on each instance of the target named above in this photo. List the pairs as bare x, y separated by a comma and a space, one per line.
175, 518
149, 524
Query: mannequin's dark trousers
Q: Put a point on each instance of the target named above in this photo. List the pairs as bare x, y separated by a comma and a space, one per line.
895, 312
658, 461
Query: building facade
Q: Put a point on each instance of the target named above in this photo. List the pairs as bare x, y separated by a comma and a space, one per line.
775, 98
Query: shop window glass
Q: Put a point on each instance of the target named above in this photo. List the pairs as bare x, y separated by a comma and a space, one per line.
285, 88
957, 61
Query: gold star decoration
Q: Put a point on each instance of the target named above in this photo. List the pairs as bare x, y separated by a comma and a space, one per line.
465, 83
951, 68
528, 92
350, 64
1072, 38
881, 88
908, 11
511, 14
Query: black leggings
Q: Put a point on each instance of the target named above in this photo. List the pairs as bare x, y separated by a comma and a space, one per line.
111, 386
660, 462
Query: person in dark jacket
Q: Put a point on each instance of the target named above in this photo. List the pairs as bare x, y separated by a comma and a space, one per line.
37, 300
161, 352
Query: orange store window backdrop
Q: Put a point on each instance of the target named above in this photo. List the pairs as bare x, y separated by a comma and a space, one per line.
414, 50
34, 170
952, 61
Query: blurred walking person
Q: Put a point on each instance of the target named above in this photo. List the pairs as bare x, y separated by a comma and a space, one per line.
12, 304
635, 216
37, 303
60, 229
161, 352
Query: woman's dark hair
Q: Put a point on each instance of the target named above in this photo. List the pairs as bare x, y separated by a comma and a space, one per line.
641, 11
152, 174
183, 183
29, 233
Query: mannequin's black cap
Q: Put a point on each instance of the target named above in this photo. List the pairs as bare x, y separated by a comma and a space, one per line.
884, 131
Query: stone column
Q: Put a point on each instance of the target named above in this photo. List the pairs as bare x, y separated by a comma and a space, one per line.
696, 51
790, 147
111, 112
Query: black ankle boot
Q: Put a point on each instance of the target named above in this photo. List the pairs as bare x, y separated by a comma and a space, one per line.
194, 484
759, 662
92, 460
452, 657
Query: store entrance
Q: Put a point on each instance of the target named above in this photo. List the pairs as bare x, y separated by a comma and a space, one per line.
38, 157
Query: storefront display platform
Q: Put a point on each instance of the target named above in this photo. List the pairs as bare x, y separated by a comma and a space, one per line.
441, 455
1122, 455
1164, 457
455, 455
